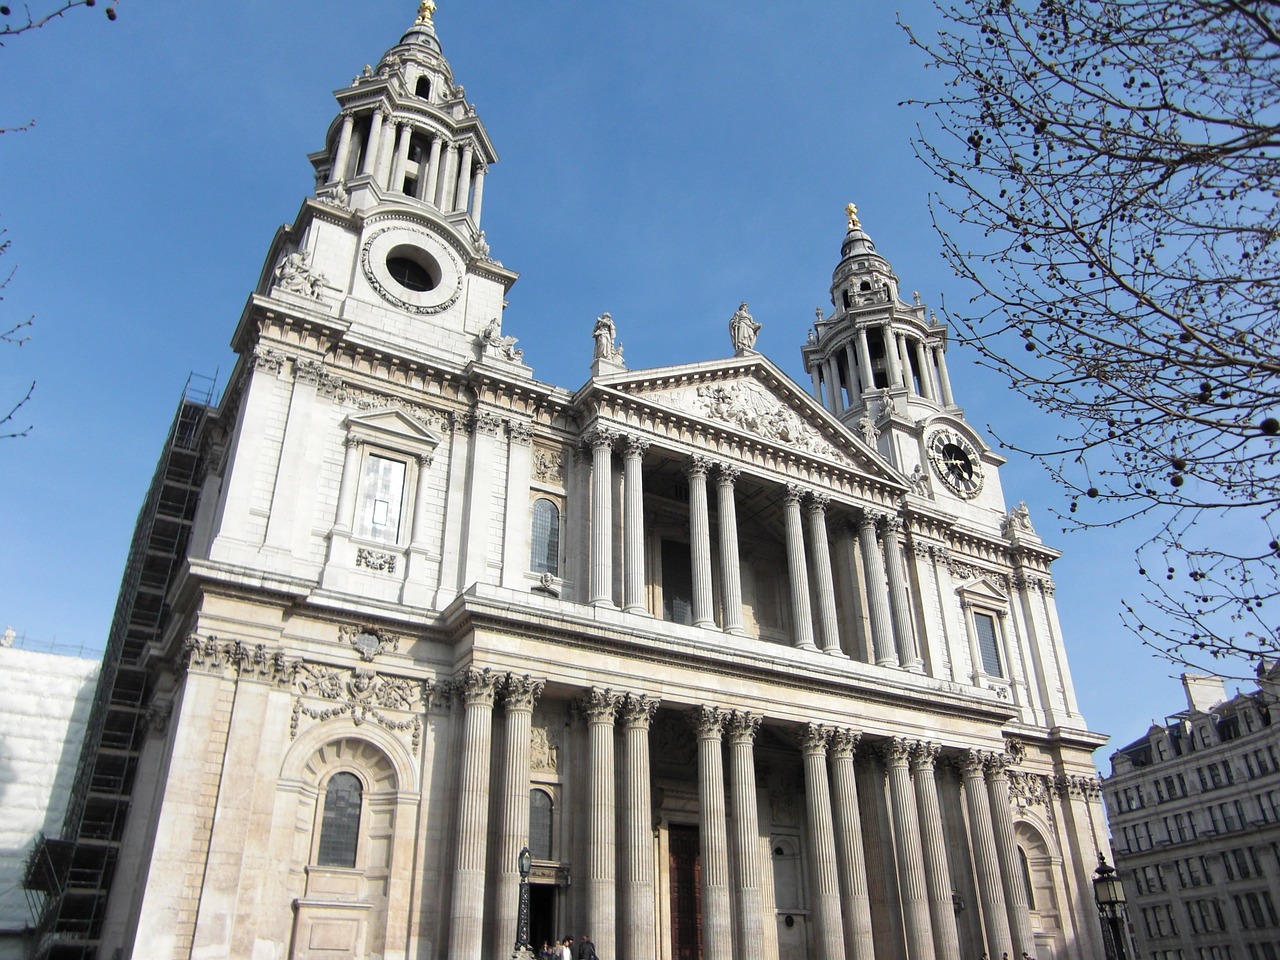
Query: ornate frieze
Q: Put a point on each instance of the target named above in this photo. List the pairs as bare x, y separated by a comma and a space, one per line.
369, 642
748, 406
246, 661
548, 466
376, 560
544, 752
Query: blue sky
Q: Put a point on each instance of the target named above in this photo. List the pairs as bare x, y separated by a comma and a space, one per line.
662, 161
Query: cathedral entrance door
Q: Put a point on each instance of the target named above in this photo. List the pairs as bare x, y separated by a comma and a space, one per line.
686, 892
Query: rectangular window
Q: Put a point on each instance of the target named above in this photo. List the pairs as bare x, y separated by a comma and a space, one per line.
677, 582
988, 646
381, 499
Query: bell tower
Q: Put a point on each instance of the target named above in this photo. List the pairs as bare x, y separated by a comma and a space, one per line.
389, 248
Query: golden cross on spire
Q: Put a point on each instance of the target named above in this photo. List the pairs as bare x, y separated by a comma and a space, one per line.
851, 211
425, 9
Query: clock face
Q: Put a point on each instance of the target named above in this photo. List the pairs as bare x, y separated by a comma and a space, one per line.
956, 462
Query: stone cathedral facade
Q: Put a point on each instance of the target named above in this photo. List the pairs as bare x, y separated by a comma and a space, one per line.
752, 669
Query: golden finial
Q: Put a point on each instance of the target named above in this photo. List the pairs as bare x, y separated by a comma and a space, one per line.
425, 9
851, 211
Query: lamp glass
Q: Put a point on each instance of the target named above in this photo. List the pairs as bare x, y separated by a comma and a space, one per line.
526, 862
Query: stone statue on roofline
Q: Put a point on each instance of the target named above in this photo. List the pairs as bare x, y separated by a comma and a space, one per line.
743, 331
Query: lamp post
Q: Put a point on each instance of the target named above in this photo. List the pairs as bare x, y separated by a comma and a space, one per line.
1108, 893
525, 862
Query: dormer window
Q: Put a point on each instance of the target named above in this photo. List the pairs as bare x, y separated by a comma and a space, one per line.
423, 88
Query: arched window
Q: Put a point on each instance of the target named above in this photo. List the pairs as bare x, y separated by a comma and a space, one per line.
545, 538
540, 810
340, 824
423, 88
1026, 878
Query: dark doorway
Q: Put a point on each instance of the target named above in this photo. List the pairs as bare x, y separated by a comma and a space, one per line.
686, 893
542, 915
677, 582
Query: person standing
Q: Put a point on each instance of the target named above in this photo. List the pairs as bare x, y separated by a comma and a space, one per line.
587, 949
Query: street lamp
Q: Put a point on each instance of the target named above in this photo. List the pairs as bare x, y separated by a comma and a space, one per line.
1108, 893
525, 863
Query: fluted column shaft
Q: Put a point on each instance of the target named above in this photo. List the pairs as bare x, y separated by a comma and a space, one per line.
464, 178
892, 356
520, 695
906, 842
946, 938
717, 918
877, 601
700, 541
601, 579
864, 361
1015, 893
828, 626
944, 381
904, 628
854, 896
467, 910
396, 182
730, 568
833, 378
639, 925
633, 598
431, 179
477, 195
987, 862
343, 154
926, 371
828, 933
798, 570
375, 140
347, 486
421, 503
448, 173
601, 708
746, 823
856, 387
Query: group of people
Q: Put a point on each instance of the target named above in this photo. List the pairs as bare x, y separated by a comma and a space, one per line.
566, 949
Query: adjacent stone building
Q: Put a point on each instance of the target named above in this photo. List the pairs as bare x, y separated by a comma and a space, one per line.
752, 672
1195, 818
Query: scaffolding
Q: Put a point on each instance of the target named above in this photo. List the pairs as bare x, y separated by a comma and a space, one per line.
68, 878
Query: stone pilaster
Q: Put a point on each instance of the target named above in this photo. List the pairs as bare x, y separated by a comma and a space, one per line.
601, 707
798, 570
854, 896
995, 918
828, 933
717, 919
748, 869
638, 930
946, 938
467, 911
906, 841
519, 696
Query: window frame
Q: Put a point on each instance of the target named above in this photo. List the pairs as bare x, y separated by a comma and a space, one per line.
322, 810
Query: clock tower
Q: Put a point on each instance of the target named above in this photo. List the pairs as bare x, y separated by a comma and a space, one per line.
878, 364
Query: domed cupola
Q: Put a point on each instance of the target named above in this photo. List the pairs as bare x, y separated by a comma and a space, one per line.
407, 135
875, 357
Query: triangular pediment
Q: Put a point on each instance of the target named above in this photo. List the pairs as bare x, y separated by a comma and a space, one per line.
984, 593
394, 427
752, 397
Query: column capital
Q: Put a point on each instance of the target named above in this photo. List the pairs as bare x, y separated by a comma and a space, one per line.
479, 686
600, 705
727, 474
708, 722
601, 436
897, 751
925, 755
817, 502
482, 169
870, 518
742, 726
521, 692
972, 763
813, 739
424, 459
353, 443
796, 492
637, 711
634, 446
996, 764
844, 743
697, 466
892, 523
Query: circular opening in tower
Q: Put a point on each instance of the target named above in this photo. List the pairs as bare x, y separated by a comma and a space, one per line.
413, 268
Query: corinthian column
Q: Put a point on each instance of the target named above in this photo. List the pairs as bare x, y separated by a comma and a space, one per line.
521, 693
600, 707
855, 899
877, 602
339, 171
828, 935
828, 628
639, 926
633, 531
467, 911
798, 568
1015, 892
746, 822
374, 142
730, 568
906, 841
717, 921
700, 540
601, 579
941, 909
903, 624
995, 919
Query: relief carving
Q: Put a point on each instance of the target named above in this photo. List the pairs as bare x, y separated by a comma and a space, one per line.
751, 408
